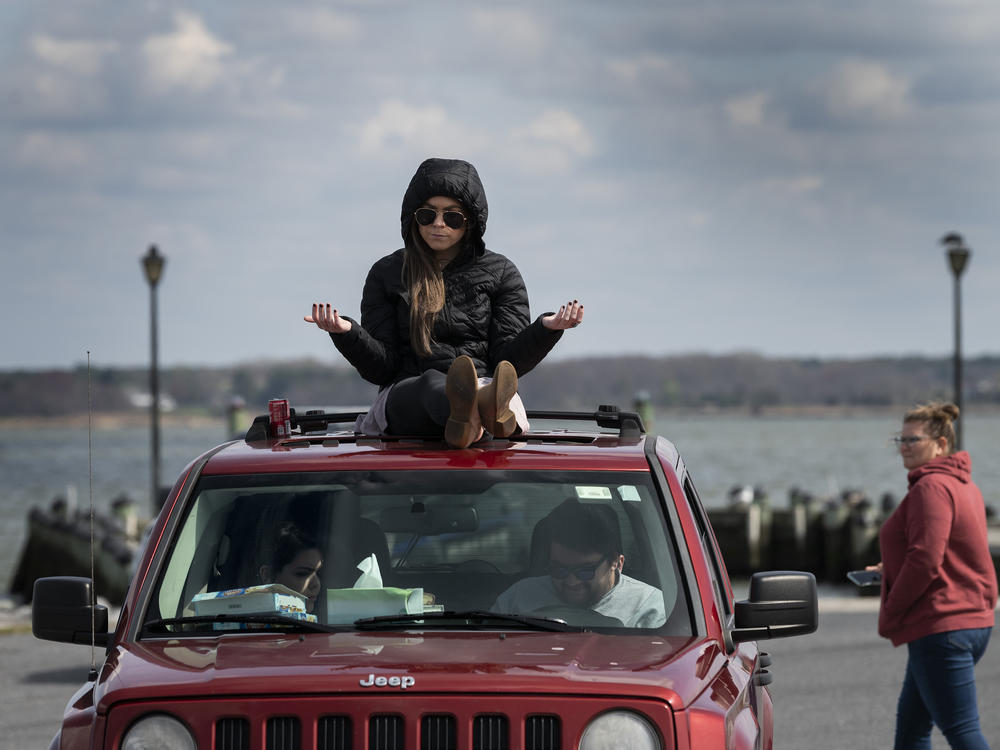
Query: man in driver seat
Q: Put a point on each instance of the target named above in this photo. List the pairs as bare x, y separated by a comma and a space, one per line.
585, 572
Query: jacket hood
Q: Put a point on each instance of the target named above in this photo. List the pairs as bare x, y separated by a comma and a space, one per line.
453, 178
957, 465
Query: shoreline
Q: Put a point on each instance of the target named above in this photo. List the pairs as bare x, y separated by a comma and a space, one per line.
111, 421
199, 419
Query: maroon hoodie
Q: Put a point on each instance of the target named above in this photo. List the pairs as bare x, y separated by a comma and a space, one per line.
937, 573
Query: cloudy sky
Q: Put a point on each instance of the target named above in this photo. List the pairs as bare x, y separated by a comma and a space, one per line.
731, 175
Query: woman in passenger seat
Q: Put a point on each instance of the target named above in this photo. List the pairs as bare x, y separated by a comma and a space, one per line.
294, 560
440, 315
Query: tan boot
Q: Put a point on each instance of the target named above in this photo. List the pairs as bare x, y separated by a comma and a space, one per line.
464, 426
494, 401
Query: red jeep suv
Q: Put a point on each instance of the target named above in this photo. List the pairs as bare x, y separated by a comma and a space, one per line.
330, 591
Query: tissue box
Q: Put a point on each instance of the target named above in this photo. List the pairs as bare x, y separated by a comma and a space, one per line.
270, 597
262, 625
344, 606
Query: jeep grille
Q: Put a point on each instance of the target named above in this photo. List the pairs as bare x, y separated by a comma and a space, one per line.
334, 733
541, 733
438, 731
387, 732
489, 733
283, 733
389, 721
232, 734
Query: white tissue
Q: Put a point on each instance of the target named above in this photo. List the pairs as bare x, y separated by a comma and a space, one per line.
371, 576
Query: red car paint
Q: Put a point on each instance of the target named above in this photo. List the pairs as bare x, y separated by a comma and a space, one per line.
700, 689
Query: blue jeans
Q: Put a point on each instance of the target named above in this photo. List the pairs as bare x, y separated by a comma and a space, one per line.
940, 689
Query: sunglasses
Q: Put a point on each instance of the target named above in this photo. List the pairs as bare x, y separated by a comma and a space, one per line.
452, 219
910, 439
582, 572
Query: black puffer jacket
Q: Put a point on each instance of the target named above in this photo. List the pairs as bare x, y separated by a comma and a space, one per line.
485, 314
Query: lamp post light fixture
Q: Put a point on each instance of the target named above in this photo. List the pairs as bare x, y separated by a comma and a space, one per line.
958, 257
152, 264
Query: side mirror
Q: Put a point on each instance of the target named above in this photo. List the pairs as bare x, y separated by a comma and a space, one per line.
781, 604
63, 609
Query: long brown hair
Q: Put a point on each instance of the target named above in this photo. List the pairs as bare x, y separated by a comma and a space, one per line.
938, 417
422, 278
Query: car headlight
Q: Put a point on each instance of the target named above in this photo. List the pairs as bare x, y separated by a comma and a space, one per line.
158, 732
620, 729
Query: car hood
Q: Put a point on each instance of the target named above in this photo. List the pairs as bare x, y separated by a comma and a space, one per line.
673, 669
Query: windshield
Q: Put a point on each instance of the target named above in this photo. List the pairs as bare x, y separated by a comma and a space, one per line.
419, 548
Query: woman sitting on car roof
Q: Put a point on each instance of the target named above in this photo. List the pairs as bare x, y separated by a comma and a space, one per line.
440, 314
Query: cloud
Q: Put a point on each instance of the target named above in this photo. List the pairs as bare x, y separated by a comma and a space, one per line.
656, 70
977, 22
62, 79
79, 56
650, 71
398, 126
866, 90
792, 185
699, 219
238, 125
56, 94
519, 31
553, 142
52, 152
324, 24
189, 57
963, 82
747, 110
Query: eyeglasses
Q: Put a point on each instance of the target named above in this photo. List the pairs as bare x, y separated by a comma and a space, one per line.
582, 572
452, 219
910, 439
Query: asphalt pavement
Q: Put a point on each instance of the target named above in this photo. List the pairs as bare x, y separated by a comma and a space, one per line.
833, 689
837, 688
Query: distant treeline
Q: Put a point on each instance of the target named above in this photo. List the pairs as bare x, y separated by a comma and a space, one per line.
693, 381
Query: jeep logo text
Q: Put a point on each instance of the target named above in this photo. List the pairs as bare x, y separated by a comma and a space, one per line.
381, 681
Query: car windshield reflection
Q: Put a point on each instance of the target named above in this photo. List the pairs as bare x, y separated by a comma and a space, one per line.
585, 549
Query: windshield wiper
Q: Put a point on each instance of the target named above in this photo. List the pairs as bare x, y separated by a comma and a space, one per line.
286, 623
470, 618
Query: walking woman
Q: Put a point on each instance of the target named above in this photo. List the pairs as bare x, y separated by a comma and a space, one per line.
939, 587
445, 327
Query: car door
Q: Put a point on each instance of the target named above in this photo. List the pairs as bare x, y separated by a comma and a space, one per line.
739, 685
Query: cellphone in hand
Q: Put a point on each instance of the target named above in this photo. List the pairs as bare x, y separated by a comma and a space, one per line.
865, 577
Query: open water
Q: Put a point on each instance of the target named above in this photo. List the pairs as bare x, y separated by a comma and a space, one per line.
821, 455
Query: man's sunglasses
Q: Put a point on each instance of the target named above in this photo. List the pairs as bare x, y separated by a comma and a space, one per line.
582, 572
452, 219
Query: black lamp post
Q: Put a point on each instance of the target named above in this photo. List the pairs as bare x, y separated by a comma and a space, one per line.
958, 257
152, 264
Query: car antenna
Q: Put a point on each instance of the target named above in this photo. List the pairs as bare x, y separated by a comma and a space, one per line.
92, 676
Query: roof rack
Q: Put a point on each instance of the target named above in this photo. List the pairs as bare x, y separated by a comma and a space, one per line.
313, 420
629, 424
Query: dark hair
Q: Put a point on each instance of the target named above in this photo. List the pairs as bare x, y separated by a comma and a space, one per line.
939, 418
586, 527
289, 542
